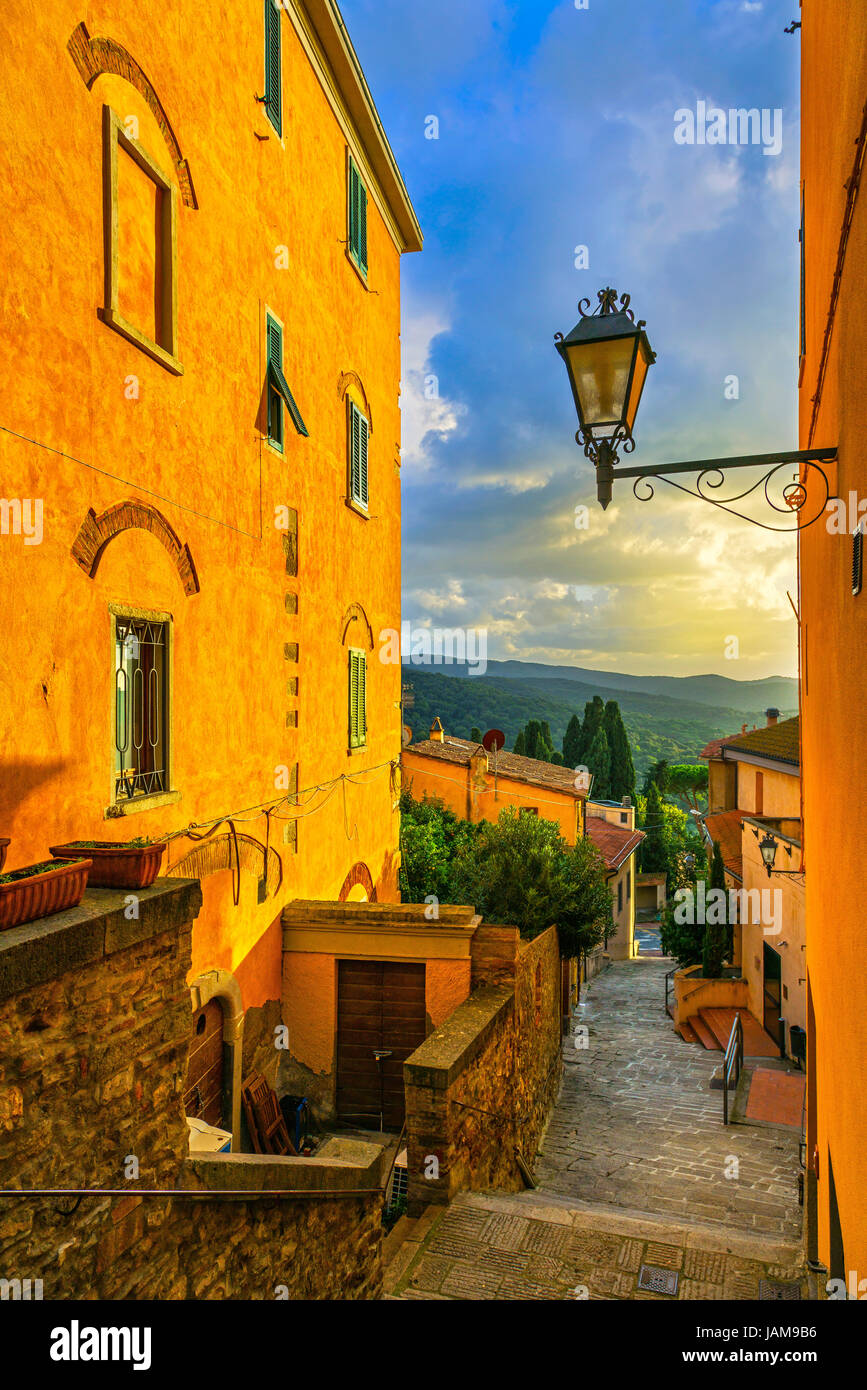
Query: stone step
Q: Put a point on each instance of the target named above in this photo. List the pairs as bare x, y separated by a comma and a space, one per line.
756, 1040
687, 1032
704, 1034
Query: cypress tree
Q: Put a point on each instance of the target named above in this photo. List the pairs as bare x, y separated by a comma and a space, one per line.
572, 742
532, 737
654, 849
594, 715
520, 744
475, 735
715, 932
622, 768
598, 759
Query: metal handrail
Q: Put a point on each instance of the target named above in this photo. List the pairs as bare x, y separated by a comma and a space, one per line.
733, 1062
669, 976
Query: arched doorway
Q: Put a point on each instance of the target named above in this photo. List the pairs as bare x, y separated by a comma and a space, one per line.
213, 1084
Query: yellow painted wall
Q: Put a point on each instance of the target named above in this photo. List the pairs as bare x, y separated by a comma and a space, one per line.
89, 420
834, 622
759, 925
781, 792
476, 800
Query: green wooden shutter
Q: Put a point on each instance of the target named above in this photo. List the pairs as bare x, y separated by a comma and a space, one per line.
362, 226
354, 187
354, 452
363, 432
273, 101
362, 699
274, 347
353, 699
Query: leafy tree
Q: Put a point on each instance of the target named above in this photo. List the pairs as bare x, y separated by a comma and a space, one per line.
622, 776
520, 744
598, 759
475, 735
521, 871
715, 932
688, 782
684, 940
572, 743
430, 837
556, 758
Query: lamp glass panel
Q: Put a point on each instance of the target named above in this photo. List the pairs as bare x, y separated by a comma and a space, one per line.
642, 362
600, 373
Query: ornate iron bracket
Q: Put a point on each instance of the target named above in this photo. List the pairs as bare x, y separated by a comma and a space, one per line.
796, 496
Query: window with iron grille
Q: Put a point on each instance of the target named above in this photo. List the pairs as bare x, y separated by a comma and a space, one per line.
141, 705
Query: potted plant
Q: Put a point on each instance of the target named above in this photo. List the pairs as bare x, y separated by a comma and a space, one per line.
116, 863
41, 889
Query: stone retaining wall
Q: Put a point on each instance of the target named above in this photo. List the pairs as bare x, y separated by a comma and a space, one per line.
482, 1085
95, 1021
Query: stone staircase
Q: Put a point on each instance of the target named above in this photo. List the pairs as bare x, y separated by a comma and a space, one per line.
711, 1028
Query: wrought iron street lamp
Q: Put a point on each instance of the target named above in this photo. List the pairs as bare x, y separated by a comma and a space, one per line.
607, 355
768, 846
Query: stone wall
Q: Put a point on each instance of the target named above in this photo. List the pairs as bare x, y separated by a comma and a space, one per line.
95, 1021
482, 1085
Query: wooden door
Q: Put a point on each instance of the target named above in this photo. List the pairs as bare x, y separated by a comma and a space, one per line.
380, 1009
772, 993
203, 1093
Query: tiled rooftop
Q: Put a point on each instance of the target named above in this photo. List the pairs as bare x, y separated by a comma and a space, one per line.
530, 770
613, 841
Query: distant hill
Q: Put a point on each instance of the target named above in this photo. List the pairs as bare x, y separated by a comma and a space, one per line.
659, 726
721, 692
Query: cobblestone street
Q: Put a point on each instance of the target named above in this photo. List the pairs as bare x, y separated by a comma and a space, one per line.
632, 1172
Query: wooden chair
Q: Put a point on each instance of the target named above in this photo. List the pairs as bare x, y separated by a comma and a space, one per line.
265, 1118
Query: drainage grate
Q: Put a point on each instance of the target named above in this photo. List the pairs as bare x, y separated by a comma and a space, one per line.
657, 1280
770, 1289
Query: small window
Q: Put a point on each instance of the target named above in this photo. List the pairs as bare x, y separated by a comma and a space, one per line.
529, 810
359, 433
357, 698
273, 79
140, 233
624, 817
620, 895
628, 885
278, 388
357, 231
141, 708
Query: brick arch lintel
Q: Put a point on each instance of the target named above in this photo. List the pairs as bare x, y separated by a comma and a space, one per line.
355, 613
98, 55
359, 873
96, 532
348, 379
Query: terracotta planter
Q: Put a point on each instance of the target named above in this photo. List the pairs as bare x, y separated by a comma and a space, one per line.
116, 865
39, 895
4, 845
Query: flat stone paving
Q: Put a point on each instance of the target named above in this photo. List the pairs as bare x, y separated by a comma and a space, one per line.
632, 1172
486, 1246
636, 1125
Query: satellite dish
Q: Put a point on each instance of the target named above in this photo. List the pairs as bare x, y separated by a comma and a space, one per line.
406, 735
494, 740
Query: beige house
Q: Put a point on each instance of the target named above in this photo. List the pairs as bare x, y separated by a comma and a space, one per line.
611, 827
754, 791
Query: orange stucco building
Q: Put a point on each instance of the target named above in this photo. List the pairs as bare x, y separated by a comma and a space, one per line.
199, 401
833, 628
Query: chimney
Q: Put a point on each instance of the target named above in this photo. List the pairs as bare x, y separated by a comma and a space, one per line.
772, 715
437, 733
627, 801
743, 728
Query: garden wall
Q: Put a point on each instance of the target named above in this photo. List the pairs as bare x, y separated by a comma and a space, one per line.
95, 1024
482, 1085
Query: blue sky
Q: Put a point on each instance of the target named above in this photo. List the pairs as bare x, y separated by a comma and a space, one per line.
556, 130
